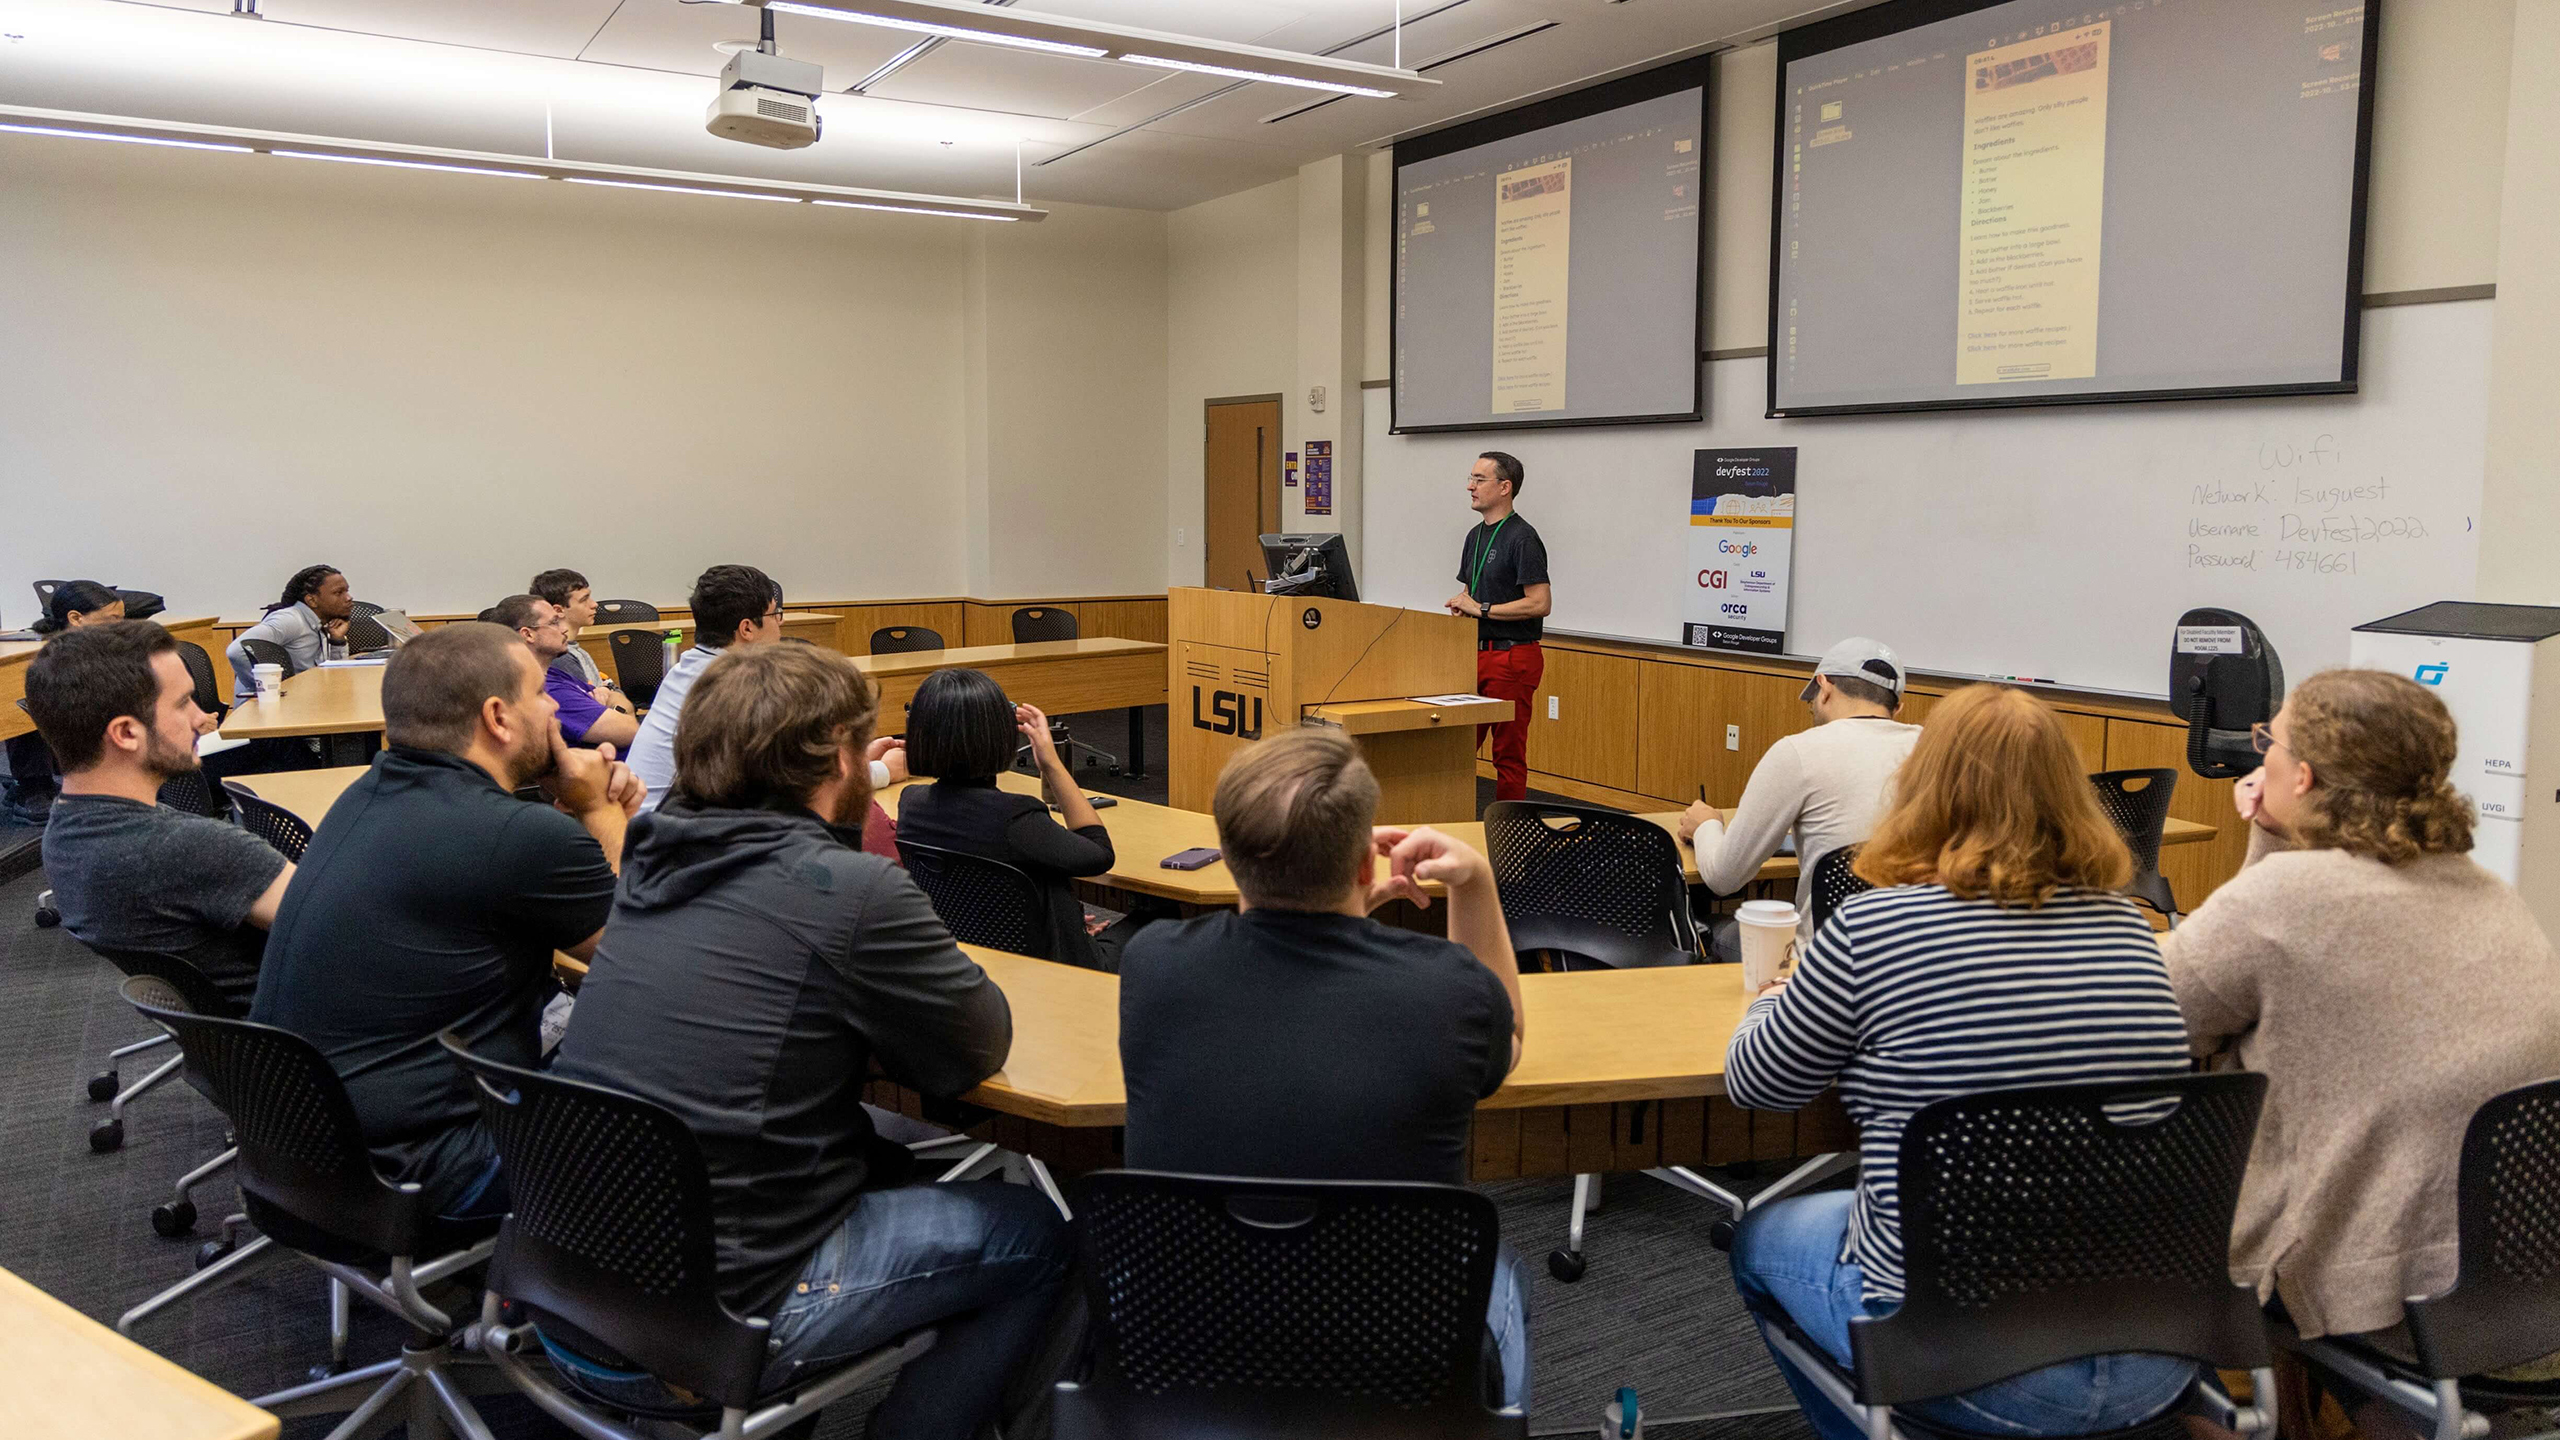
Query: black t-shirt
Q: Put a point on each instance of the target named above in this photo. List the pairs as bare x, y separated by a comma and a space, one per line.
1306, 1046
976, 817
130, 876
1498, 563
430, 900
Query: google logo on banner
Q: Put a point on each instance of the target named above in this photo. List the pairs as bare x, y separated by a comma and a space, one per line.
1744, 548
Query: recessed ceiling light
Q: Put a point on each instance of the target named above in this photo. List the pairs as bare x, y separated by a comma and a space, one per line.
949, 32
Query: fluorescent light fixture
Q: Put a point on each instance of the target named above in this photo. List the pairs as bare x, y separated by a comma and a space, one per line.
948, 32
407, 164
127, 139
905, 209
1096, 39
80, 125
679, 189
1233, 73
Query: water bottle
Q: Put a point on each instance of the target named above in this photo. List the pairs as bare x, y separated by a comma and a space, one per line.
668, 649
1622, 1418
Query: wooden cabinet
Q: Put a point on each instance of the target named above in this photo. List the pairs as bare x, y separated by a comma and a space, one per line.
1685, 710
1592, 735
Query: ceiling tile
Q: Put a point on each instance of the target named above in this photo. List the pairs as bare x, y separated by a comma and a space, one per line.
540, 27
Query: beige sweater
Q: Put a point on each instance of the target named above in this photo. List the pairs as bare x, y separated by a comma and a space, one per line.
2383, 1004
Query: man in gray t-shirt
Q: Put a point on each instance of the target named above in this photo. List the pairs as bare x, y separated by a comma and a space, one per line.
118, 708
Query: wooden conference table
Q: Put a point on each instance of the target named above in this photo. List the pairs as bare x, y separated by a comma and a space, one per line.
71, 1378
15, 655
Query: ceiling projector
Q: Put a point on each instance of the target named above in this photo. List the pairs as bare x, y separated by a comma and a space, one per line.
766, 100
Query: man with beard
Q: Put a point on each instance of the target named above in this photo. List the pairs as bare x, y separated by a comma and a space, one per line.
116, 706
757, 963
431, 899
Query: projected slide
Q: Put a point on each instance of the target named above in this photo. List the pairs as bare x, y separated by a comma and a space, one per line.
2035, 202
1547, 261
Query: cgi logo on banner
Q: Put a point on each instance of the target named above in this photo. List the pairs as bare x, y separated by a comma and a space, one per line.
1742, 514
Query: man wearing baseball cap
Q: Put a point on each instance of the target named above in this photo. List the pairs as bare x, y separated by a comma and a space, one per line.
1828, 784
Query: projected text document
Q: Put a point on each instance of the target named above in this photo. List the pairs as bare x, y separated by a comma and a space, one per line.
2035, 171
1532, 271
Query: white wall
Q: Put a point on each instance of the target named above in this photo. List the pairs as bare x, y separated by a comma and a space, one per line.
221, 367
1232, 328
2520, 499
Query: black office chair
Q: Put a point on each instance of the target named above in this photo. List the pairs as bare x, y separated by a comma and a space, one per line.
270, 822
2138, 802
268, 652
2052, 1223
1035, 623
209, 696
1833, 882
310, 1187
44, 594
611, 1250
2504, 1308
179, 977
1249, 1309
639, 664
364, 633
626, 612
984, 902
905, 640
195, 794
1599, 888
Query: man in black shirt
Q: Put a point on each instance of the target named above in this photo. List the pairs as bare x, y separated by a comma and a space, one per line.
114, 702
431, 899
1504, 567
1298, 1038
757, 962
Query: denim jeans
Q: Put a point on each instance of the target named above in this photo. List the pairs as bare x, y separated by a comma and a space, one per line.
981, 1262
1506, 1319
1787, 1258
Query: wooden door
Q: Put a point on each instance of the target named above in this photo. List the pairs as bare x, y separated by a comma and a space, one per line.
1241, 488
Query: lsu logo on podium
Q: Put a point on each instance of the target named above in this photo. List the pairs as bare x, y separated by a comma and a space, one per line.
1227, 711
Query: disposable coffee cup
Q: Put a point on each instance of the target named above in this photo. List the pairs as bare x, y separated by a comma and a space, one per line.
270, 680
1768, 934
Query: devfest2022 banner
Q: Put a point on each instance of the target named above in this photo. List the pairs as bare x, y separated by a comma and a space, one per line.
1742, 519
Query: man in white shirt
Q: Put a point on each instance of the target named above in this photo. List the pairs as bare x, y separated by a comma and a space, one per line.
1828, 785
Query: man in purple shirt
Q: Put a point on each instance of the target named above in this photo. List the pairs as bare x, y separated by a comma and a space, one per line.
589, 715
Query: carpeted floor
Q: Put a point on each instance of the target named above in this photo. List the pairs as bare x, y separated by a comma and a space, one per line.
1656, 1310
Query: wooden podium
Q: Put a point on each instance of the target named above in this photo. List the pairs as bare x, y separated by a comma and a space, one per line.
1245, 665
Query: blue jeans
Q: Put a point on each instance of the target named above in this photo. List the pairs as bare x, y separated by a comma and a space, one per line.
1787, 1258
1506, 1319
980, 1262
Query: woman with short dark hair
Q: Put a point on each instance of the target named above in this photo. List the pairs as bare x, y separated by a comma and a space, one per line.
963, 732
28, 791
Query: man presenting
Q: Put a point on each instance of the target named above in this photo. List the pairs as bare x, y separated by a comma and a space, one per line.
1504, 567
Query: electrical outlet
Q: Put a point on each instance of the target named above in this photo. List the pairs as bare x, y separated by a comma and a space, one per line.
1180, 534
1733, 737
1553, 701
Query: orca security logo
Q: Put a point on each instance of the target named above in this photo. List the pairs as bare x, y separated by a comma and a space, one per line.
1227, 711
2433, 674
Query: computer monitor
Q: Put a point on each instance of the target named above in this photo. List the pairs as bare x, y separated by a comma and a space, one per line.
1309, 565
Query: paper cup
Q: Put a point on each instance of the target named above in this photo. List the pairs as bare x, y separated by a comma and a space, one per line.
270, 680
1768, 935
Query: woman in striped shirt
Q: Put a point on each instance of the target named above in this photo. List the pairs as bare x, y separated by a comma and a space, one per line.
1998, 956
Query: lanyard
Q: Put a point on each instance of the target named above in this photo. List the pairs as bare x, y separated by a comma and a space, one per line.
1483, 555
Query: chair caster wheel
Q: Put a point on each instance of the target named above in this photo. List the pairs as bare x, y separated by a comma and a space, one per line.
106, 1135
104, 1086
211, 1252
1566, 1265
47, 917
1720, 1234
327, 1369
174, 1220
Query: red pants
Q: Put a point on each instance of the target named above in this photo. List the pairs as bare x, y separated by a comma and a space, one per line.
1511, 675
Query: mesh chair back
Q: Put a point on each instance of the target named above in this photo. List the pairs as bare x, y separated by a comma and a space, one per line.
270, 822
627, 612
1034, 623
1276, 1307
2055, 1222
304, 1170
611, 1228
640, 663
985, 902
196, 795
209, 696
44, 595
172, 981
2504, 1307
2138, 802
1598, 884
1834, 881
268, 652
905, 640
364, 633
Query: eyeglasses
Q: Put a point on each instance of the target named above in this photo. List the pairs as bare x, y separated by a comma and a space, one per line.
2262, 737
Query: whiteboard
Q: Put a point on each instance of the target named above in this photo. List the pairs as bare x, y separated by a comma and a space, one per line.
2060, 543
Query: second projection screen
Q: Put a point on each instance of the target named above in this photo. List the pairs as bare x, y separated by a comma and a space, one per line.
2036, 201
